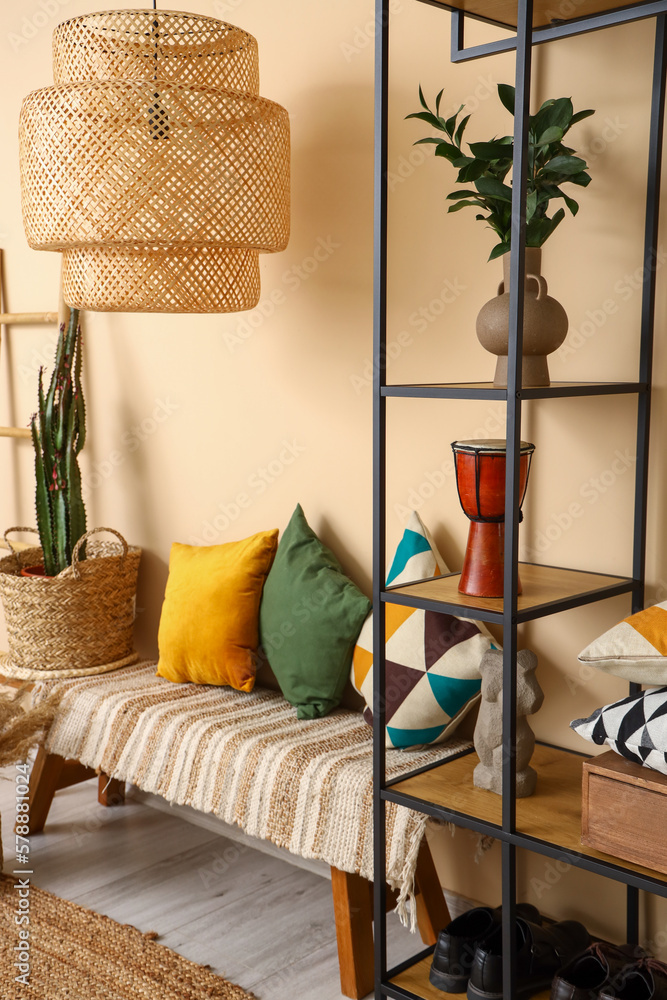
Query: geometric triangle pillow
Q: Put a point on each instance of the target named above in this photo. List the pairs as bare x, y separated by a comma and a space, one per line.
635, 649
635, 727
432, 677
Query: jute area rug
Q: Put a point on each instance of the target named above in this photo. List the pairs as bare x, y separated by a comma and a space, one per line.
75, 954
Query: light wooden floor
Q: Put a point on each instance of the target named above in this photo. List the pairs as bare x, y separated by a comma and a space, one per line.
256, 919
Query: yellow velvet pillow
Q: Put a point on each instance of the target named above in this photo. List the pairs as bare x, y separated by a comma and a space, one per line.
209, 624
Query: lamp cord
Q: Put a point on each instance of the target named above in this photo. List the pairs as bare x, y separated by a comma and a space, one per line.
156, 26
158, 116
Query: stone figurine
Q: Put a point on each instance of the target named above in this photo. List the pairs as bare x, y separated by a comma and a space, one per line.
488, 736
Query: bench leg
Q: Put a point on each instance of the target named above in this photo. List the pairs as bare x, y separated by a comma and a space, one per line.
432, 910
50, 773
353, 912
44, 777
110, 792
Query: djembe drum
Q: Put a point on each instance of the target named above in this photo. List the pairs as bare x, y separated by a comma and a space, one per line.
480, 480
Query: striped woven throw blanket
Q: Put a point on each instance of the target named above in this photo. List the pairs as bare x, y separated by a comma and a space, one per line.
304, 785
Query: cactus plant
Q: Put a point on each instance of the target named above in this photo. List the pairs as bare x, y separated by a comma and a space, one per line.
58, 435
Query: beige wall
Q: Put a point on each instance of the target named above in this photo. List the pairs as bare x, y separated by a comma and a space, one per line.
186, 411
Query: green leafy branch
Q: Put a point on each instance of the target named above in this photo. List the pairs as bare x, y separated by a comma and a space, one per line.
550, 164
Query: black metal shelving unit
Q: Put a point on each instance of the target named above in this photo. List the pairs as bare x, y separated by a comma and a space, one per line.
443, 790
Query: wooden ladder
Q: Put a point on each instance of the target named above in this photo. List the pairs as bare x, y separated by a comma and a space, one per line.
8, 319
22, 319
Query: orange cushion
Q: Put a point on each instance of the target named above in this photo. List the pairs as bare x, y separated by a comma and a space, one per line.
209, 624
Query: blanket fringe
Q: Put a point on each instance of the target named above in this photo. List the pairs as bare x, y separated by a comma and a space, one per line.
406, 895
484, 844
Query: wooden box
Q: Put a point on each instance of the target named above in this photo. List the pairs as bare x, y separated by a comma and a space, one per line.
624, 810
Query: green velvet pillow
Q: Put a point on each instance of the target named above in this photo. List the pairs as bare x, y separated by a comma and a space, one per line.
309, 620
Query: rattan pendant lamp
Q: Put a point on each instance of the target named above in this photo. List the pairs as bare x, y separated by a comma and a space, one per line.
154, 165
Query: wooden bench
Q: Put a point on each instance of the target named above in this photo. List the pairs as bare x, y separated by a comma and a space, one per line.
352, 893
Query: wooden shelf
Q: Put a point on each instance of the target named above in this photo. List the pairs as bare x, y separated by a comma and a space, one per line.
552, 814
477, 390
504, 12
545, 588
416, 980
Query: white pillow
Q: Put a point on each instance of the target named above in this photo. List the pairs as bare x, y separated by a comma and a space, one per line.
635, 649
635, 727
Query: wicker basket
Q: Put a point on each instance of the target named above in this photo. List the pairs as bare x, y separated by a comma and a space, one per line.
77, 623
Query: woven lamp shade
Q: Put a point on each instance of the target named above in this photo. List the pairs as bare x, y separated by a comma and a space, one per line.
154, 165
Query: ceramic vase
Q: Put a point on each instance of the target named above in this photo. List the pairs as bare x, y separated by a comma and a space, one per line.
544, 323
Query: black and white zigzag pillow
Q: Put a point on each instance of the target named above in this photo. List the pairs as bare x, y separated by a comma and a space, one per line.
635, 727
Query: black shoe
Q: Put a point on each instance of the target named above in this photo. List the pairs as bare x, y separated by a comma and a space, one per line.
601, 966
457, 942
540, 953
647, 980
